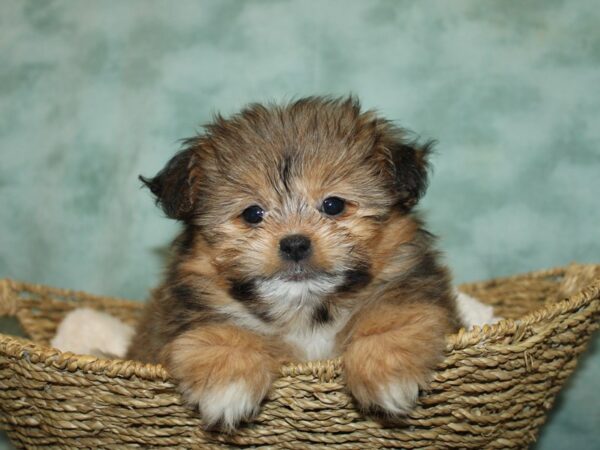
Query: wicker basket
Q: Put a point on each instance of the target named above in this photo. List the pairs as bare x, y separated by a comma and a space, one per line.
492, 391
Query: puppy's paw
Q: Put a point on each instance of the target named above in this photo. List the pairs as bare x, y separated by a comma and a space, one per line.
224, 372
397, 397
392, 353
225, 406
392, 394
384, 379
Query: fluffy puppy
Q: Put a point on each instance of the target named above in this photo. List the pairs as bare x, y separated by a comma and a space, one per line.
298, 243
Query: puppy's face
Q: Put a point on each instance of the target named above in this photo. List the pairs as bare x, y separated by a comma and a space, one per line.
290, 200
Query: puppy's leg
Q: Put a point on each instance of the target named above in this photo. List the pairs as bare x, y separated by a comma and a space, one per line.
391, 352
224, 371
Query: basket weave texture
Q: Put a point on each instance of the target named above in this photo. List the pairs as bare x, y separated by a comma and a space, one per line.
493, 390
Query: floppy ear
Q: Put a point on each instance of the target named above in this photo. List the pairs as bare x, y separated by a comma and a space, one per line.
411, 167
176, 186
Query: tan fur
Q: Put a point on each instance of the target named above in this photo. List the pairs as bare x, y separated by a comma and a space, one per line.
230, 310
218, 354
209, 359
398, 340
397, 231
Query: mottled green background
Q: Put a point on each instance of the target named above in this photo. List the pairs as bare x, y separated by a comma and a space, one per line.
94, 93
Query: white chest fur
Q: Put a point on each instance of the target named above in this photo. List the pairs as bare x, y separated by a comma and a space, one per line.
292, 306
316, 342
294, 303
291, 300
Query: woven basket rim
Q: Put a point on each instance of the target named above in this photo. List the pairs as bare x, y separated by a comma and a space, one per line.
52, 357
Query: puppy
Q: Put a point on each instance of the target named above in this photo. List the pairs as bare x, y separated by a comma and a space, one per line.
298, 243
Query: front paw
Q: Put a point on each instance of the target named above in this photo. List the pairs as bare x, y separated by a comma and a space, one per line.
396, 397
224, 406
223, 371
387, 381
393, 395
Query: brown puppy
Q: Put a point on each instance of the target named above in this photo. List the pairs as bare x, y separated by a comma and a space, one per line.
299, 243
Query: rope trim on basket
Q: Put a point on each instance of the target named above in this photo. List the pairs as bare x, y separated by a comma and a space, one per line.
8, 299
508, 326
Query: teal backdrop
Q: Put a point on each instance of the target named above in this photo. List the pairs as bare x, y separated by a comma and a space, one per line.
94, 93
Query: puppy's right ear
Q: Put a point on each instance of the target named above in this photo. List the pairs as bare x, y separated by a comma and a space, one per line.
176, 185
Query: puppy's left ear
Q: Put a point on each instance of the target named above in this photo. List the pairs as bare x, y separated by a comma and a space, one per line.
176, 185
410, 162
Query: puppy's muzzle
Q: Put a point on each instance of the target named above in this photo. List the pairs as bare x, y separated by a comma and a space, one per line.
295, 247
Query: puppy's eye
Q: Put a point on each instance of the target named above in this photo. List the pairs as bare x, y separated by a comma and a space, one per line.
332, 206
253, 214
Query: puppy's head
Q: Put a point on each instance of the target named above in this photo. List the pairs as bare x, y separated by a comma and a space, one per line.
290, 199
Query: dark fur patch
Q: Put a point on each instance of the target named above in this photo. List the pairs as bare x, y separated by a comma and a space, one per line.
321, 314
355, 279
173, 186
411, 172
285, 172
188, 297
182, 319
179, 322
426, 267
245, 292
185, 241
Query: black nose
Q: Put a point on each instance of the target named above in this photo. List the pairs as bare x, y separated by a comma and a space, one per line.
295, 247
